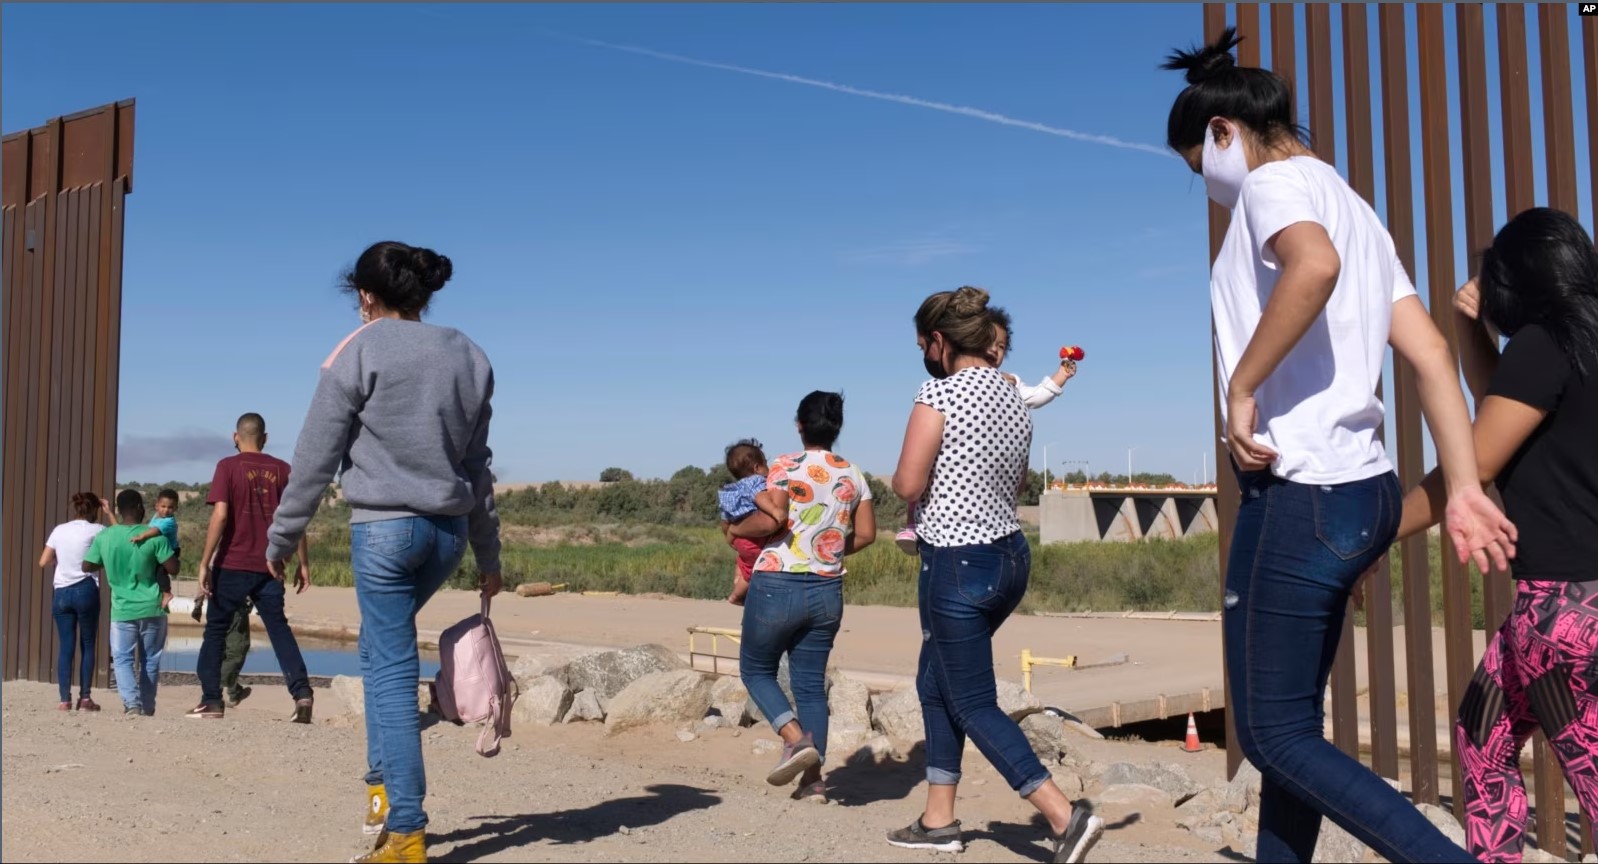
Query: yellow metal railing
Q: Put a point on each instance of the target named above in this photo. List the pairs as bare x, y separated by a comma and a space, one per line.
1028, 661
715, 655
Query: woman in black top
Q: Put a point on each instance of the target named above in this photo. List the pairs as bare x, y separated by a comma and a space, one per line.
1536, 424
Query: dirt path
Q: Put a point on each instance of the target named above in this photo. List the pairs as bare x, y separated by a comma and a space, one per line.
254, 787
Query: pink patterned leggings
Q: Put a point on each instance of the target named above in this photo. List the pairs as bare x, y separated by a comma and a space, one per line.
1540, 670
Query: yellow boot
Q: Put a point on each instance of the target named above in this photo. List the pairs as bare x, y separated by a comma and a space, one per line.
395, 848
376, 810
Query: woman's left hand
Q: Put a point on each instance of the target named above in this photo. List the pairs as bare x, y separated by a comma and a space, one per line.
490, 584
1242, 416
1480, 531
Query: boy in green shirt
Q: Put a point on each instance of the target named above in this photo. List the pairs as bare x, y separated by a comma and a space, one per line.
140, 579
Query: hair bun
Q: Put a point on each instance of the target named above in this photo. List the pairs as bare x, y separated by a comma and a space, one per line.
432, 269
1202, 64
968, 301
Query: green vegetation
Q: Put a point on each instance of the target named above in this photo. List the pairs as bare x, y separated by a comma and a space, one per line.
659, 537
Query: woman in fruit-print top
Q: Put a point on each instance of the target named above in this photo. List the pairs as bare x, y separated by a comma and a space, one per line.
795, 600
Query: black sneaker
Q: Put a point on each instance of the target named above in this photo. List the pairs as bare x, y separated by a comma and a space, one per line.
918, 836
238, 695
302, 711
204, 711
1081, 833
797, 758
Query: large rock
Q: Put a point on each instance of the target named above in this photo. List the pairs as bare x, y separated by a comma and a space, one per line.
1016, 702
1134, 793
843, 739
1337, 846
785, 681
1171, 779
607, 673
848, 702
1200, 810
530, 667
677, 696
1243, 793
1067, 778
898, 715
1535, 855
352, 692
585, 706
1048, 737
1445, 822
728, 696
543, 702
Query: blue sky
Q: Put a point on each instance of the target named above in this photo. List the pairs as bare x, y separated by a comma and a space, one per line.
660, 257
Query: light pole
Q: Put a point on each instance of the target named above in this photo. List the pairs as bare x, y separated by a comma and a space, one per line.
1129, 465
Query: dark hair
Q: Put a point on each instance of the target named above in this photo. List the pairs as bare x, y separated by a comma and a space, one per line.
1542, 269
1217, 87
820, 418
963, 317
1001, 321
745, 458
402, 278
251, 425
129, 501
85, 505
167, 495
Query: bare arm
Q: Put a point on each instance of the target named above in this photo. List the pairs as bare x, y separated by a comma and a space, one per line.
213, 539
923, 437
1478, 341
147, 534
865, 528
1415, 338
1310, 267
1476, 525
766, 502
1502, 426
761, 524
47, 557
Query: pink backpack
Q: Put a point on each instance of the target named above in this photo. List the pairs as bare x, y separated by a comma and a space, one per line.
474, 685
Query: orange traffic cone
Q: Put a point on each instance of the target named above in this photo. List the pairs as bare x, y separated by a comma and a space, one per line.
1192, 745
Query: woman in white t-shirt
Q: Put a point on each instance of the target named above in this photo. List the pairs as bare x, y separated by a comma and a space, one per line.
1307, 293
963, 464
76, 600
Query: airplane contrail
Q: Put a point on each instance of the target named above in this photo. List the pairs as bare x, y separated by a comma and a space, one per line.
962, 110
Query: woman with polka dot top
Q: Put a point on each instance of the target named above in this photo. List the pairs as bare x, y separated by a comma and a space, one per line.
964, 462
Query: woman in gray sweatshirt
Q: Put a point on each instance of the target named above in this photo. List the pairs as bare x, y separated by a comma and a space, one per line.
401, 415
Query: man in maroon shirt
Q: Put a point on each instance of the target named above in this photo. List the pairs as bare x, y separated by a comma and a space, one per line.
243, 499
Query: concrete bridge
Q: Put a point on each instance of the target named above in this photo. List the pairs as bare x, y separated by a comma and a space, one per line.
1102, 513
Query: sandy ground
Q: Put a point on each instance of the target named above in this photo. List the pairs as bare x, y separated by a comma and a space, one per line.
254, 787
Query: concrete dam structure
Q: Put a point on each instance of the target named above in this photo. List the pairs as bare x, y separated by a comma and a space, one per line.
1076, 515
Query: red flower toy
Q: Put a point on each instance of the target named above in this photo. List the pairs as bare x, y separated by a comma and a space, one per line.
1072, 353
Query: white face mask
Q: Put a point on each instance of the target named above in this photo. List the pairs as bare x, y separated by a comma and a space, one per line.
1224, 170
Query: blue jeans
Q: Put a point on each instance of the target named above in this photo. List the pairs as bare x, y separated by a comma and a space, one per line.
147, 637
965, 595
232, 590
796, 613
1296, 553
399, 564
77, 623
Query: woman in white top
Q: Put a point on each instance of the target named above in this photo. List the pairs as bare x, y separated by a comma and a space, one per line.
964, 462
1307, 293
76, 600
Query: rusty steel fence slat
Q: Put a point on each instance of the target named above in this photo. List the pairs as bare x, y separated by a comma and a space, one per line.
1360, 159
62, 187
1435, 116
